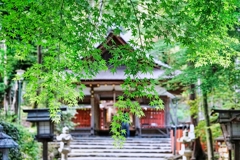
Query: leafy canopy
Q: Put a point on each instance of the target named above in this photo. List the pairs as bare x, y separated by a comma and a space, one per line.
68, 31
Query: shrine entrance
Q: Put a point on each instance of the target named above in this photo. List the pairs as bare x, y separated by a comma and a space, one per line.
153, 118
153, 121
96, 111
83, 118
106, 112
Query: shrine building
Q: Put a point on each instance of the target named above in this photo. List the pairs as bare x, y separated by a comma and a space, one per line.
97, 107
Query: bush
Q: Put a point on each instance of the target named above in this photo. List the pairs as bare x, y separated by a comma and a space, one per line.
28, 148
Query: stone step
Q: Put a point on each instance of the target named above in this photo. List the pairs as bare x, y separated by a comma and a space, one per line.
102, 148
115, 158
126, 142
111, 146
129, 139
120, 151
133, 155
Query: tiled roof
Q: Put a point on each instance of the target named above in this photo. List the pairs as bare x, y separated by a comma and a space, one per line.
120, 75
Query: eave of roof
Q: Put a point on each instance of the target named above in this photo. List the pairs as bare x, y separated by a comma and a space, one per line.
123, 39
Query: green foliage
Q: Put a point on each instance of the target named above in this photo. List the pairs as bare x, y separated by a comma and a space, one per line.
226, 97
203, 28
119, 118
200, 131
28, 148
67, 33
183, 113
7, 116
66, 120
194, 107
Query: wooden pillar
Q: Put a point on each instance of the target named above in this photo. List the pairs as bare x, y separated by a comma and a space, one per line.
137, 120
137, 126
45, 150
92, 111
236, 151
96, 112
167, 112
229, 154
167, 116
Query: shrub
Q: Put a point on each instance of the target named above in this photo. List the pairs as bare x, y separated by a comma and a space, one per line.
28, 148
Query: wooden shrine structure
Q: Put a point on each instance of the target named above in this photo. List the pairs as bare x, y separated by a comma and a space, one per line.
96, 109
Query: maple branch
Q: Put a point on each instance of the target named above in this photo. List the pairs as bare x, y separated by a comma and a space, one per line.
138, 23
100, 9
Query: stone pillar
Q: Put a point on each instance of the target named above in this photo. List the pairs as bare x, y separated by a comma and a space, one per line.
5, 154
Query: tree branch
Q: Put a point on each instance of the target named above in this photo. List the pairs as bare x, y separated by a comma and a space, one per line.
138, 23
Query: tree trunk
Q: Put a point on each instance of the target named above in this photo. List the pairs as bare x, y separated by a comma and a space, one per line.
208, 129
39, 61
5, 79
198, 153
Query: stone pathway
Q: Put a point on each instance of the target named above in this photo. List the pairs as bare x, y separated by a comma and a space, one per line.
102, 148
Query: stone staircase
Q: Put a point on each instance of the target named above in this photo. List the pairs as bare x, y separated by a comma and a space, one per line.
102, 148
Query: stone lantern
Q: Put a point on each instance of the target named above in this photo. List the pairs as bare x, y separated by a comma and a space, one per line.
45, 126
65, 138
229, 121
186, 141
6, 142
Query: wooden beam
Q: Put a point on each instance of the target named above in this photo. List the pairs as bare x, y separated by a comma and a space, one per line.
108, 92
110, 36
95, 83
119, 39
